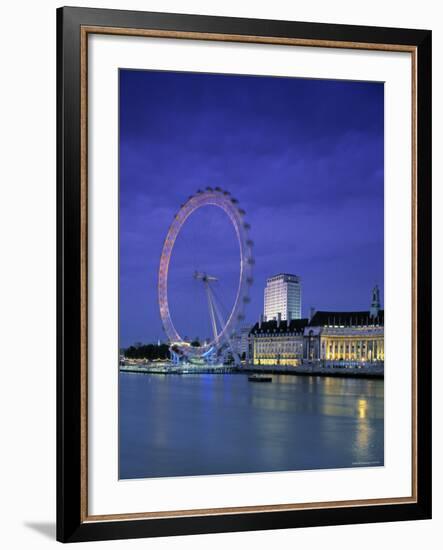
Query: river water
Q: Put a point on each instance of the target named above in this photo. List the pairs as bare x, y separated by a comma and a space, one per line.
218, 424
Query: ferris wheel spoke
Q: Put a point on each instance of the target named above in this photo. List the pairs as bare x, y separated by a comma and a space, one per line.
212, 312
221, 303
226, 335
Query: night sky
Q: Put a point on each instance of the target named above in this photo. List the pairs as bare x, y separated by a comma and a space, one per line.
303, 157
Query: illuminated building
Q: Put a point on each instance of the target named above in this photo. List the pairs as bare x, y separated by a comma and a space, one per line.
283, 295
278, 342
328, 338
340, 337
345, 336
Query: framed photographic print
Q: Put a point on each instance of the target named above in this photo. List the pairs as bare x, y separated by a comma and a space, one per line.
244, 274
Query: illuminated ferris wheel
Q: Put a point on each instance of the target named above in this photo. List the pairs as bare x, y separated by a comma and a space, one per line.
223, 326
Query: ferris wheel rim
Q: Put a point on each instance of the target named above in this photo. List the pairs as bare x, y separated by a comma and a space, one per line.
222, 199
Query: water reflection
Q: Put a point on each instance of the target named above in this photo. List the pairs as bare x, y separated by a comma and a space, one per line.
362, 408
191, 425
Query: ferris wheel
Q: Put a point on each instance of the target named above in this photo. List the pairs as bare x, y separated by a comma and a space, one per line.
223, 326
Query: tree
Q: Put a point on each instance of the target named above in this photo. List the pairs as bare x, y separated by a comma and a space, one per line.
147, 351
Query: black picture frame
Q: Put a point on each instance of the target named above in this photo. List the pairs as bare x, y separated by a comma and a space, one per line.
71, 523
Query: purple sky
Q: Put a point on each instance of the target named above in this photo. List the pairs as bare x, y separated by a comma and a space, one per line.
303, 157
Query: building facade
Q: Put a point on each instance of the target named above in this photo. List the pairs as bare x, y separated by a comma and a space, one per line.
282, 296
277, 342
328, 338
353, 337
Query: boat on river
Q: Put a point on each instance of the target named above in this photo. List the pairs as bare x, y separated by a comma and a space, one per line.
257, 378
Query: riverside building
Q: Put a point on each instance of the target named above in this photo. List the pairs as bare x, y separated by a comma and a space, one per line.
346, 337
278, 342
340, 338
327, 339
283, 296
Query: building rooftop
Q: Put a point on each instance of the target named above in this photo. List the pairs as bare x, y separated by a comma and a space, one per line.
346, 318
282, 275
295, 326
321, 319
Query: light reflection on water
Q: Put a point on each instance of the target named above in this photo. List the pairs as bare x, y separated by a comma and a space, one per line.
212, 424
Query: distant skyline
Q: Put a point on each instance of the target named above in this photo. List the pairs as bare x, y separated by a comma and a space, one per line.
303, 157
